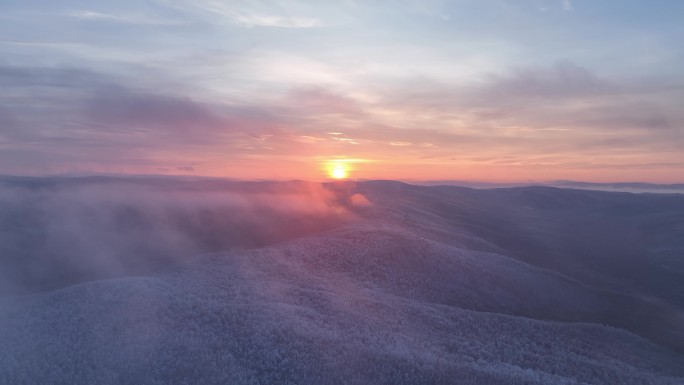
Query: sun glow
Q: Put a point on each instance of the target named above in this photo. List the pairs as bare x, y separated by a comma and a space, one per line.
338, 171
341, 168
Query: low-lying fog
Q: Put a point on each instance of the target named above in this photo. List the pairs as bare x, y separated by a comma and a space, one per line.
55, 232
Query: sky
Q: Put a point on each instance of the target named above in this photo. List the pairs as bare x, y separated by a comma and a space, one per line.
488, 90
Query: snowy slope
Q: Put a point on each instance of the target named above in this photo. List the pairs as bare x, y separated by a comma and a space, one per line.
391, 292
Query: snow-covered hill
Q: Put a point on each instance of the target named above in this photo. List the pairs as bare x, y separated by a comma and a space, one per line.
347, 283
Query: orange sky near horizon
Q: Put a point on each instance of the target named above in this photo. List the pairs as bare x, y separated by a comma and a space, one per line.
409, 170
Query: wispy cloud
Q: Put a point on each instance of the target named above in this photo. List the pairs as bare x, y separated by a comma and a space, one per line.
128, 18
308, 139
562, 79
567, 5
250, 21
41, 44
250, 17
323, 101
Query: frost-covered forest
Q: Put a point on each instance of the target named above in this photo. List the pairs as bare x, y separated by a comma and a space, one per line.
160, 280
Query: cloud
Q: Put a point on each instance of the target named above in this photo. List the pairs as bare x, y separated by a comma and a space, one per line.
568, 96
128, 18
42, 44
345, 140
93, 120
629, 115
250, 15
127, 102
567, 5
65, 77
308, 139
159, 123
562, 109
9, 125
563, 95
250, 21
560, 80
124, 107
57, 118
319, 100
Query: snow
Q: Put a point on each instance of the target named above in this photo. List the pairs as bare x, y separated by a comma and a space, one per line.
376, 298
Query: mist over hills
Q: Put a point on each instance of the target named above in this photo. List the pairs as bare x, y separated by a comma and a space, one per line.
634, 187
161, 280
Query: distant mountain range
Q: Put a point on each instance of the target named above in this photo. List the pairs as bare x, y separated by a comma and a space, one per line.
624, 186
618, 186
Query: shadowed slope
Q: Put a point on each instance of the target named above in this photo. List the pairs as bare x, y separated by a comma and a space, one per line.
347, 307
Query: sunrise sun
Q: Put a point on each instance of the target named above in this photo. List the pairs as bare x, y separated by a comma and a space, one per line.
339, 171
